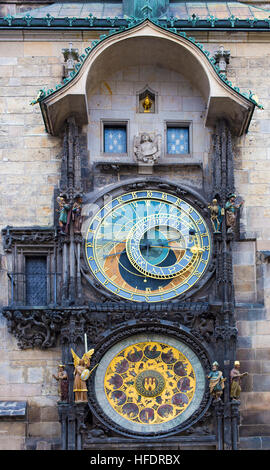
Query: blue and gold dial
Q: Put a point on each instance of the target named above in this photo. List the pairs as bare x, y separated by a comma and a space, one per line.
148, 246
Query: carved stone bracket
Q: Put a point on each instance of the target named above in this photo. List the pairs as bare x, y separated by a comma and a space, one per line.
71, 180
193, 315
225, 332
34, 327
72, 418
39, 327
27, 236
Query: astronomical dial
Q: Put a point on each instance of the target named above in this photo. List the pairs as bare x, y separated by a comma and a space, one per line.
148, 246
149, 383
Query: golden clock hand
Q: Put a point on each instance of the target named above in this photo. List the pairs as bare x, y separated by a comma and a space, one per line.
195, 249
165, 246
106, 240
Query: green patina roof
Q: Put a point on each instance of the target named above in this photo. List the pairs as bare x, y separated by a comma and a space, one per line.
184, 10
46, 93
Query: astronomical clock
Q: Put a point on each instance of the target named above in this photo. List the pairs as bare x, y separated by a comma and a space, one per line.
148, 248
136, 272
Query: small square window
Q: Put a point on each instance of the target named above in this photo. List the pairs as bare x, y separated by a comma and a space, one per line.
36, 280
115, 138
177, 140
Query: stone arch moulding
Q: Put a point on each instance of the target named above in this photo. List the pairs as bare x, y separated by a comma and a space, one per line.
132, 46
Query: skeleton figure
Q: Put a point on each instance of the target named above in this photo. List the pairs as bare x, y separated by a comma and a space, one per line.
216, 215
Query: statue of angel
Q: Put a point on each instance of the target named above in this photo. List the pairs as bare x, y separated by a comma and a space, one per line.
146, 148
81, 374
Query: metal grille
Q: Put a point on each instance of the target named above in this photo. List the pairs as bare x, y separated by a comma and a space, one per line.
36, 280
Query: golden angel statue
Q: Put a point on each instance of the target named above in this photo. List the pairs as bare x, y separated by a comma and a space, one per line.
147, 104
81, 374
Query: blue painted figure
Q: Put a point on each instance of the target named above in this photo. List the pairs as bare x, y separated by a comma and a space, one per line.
216, 381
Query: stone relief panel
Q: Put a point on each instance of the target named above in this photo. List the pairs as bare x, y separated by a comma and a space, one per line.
147, 148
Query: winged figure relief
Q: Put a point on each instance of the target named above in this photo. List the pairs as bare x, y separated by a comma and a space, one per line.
81, 374
147, 147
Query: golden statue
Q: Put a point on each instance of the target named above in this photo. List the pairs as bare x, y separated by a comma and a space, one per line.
147, 104
81, 374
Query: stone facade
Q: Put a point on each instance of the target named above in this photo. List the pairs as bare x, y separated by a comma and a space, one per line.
30, 162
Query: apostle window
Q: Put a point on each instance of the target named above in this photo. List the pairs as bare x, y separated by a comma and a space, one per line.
177, 139
115, 138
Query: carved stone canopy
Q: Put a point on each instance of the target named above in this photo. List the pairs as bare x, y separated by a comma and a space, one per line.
147, 43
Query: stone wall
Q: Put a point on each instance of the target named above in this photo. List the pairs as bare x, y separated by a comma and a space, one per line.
27, 375
249, 69
29, 167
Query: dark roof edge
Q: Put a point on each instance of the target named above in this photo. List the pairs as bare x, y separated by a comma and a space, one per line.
194, 22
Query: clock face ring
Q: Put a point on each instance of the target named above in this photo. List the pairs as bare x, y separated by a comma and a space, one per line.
147, 246
147, 252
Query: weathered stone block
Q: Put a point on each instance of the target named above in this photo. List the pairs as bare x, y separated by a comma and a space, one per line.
49, 413
248, 417
246, 328
255, 401
261, 341
265, 442
261, 383
49, 430
34, 413
255, 430
266, 367
244, 342
245, 354
35, 375
252, 367
18, 105
250, 443
263, 328
15, 428
43, 445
